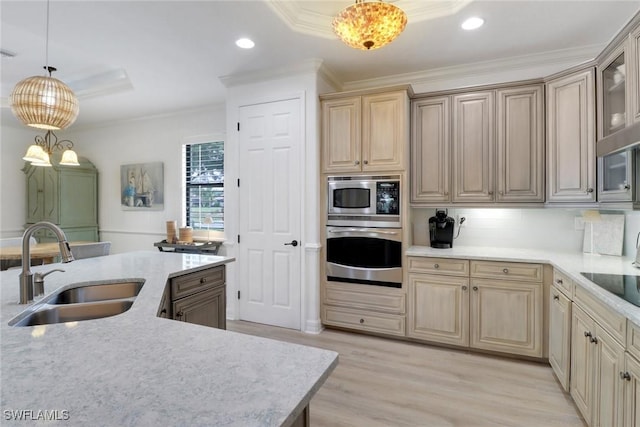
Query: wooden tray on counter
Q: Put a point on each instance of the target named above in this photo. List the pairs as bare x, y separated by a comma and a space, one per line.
209, 248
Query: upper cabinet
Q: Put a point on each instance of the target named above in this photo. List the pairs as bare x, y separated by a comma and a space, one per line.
613, 92
571, 162
366, 133
473, 147
633, 74
430, 150
479, 147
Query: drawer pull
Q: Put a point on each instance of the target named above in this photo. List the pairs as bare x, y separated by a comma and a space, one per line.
556, 297
179, 314
464, 288
625, 376
203, 280
505, 270
436, 265
559, 281
361, 320
475, 288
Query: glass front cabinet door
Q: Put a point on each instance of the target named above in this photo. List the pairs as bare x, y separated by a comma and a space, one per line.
612, 91
615, 176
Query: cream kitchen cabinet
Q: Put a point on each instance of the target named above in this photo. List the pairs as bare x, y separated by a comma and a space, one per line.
473, 151
487, 305
364, 308
431, 150
439, 300
365, 133
633, 74
560, 335
631, 377
571, 161
489, 148
597, 359
613, 92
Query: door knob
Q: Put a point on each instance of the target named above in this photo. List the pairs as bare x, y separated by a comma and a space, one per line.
293, 243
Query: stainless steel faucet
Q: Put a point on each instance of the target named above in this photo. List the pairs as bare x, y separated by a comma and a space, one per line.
26, 277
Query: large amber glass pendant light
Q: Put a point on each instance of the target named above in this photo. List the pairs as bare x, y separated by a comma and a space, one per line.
369, 25
44, 102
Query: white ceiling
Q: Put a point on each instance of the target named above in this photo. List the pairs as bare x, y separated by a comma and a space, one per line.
135, 58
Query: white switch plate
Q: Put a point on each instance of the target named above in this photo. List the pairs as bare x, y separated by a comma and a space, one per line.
578, 223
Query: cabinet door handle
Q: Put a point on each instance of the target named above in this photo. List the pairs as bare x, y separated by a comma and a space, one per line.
587, 334
446, 193
203, 280
357, 162
179, 314
475, 288
464, 288
625, 376
366, 162
361, 320
593, 340
505, 270
589, 190
436, 265
490, 193
556, 297
559, 281
627, 187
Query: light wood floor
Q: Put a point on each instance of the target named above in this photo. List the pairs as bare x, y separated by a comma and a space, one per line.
384, 382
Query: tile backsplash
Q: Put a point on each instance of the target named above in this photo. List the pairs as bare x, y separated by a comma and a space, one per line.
548, 228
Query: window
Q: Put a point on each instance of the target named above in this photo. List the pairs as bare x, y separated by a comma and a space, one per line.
204, 178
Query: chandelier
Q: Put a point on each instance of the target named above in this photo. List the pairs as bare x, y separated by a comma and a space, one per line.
39, 153
369, 25
44, 102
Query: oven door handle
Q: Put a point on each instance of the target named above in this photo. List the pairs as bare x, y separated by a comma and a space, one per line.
362, 230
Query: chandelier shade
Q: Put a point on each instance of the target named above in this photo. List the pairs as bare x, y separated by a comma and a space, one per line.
44, 102
369, 25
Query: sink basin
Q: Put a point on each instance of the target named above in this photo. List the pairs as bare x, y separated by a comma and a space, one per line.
47, 314
96, 292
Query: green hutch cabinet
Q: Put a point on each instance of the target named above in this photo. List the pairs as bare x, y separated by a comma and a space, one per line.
66, 196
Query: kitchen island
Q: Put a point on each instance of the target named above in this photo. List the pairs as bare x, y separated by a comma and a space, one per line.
137, 369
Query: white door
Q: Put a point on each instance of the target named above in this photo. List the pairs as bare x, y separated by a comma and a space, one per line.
270, 211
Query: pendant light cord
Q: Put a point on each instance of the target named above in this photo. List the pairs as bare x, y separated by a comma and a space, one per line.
46, 57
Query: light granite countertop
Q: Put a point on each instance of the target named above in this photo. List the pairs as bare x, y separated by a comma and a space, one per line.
570, 263
136, 369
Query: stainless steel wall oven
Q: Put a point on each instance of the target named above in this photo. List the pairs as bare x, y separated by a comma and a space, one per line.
370, 256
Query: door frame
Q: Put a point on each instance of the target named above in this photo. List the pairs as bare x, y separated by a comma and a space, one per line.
235, 196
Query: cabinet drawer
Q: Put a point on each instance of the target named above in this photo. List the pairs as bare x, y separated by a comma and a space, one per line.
563, 283
356, 296
448, 266
191, 283
614, 323
364, 320
633, 339
507, 270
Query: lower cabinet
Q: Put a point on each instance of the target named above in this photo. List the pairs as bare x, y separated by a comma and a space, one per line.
365, 308
198, 298
498, 306
631, 375
560, 335
597, 360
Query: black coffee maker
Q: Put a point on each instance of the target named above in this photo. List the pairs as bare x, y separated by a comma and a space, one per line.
441, 230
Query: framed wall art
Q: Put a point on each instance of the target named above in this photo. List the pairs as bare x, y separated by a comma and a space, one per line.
142, 186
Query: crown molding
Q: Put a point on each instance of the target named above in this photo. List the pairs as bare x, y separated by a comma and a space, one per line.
563, 58
315, 19
309, 66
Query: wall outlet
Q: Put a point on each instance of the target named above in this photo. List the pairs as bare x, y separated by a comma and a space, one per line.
578, 223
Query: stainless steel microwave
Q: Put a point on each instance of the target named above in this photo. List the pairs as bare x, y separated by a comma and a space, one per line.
364, 201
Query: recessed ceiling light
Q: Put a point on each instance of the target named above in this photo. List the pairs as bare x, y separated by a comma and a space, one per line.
472, 23
245, 43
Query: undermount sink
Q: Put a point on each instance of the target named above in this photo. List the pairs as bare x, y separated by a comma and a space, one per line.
98, 292
82, 301
48, 314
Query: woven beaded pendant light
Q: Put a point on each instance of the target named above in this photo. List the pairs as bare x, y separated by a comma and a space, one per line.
369, 25
44, 102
